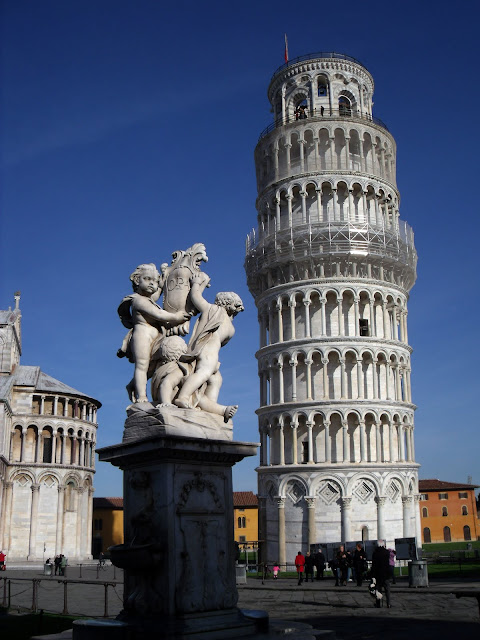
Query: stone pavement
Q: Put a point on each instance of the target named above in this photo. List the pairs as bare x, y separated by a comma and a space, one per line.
432, 613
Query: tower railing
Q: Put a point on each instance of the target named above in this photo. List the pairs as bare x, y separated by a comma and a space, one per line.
333, 238
315, 115
315, 56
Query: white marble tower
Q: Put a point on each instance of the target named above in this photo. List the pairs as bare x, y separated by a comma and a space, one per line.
330, 267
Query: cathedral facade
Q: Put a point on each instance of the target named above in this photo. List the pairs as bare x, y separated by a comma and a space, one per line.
47, 457
330, 266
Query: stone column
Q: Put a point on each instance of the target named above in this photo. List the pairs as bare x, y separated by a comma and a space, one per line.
281, 389
346, 504
378, 441
6, 521
334, 204
275, 162
39, 446
294, 427
407, 502
346, 454
351, 208
412, 443
289, 198
332, 153
387, 380
308, 331
282, 551
341, 328
291, 304
356, 302
65, 408
390, 442
386, 323
281, 444
55, 405
319, 203
81, 456
363, 449
293, 364
409, 443
308, 365
371, 308
359, 379
325, 378
418, 525
303, 195
80, 516
60, 519
380, 500
328, 444
374, 378
271, 443
310, 442
88, 550
402, 442
323, 329
33, 522
280, 321
42, 405
312, 533
347, 152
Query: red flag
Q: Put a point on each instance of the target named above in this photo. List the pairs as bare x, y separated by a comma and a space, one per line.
286, 48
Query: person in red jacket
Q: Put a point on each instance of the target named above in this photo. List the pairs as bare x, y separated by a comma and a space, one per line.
2, 561
300, 566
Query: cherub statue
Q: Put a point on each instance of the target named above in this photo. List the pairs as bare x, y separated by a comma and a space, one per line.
140, 313
213, 329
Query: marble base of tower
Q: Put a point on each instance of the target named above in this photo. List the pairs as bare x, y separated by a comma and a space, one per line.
178, 552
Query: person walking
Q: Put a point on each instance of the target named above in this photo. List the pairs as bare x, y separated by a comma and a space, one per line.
391, 562
309, 565
359, 563
300, 566
342, 564
381, 571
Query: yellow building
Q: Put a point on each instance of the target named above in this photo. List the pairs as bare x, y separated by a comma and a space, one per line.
245, 505
107, 524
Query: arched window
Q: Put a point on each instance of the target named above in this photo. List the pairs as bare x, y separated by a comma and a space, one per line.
464, 510
344, 106
364, 534
444, 511
70, 496
322, 87
427, 537
424, 512
466, 533
47, 438
242, 522
447, 536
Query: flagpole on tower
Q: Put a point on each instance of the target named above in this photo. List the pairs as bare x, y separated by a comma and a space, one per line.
286, 48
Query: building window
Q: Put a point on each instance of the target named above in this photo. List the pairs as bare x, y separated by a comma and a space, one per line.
242, 522
242, 539
47, 447
98, 524
427, 537
322, 87
425, 512
305, 452
443, 496
462, 494
447, 536
241, 510
424, 496
444, 511
344, 106
364, 534
464, 510
466, 533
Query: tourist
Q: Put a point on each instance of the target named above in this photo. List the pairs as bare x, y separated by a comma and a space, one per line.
63, 564
391, 563
2, 561
309, 565
381, 571
56, 564
300, 566
359, 563
276, 569
342, 564
319, 560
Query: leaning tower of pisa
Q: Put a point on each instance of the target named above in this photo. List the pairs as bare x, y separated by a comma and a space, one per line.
330, 265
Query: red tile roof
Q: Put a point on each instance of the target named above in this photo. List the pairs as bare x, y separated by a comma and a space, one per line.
244, 499
108, 503
437, 485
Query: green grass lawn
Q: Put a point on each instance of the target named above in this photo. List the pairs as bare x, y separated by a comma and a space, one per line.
448, 547
24, 626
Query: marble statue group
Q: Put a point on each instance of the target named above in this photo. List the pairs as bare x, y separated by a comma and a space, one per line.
183, 374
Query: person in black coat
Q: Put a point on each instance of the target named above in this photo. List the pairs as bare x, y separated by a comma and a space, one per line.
319, 560
309, 564
381, 571
359, 563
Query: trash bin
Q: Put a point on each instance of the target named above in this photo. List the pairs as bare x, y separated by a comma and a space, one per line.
241, 574
417, 573
47, 569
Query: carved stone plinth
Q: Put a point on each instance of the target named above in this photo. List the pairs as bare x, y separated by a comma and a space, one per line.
178, 554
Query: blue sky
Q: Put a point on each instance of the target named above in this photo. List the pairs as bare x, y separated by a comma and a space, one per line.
128, 132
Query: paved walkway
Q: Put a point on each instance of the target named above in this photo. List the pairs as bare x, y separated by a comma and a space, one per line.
432, 613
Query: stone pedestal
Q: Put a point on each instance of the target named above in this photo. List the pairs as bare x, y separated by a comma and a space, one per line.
178, 552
